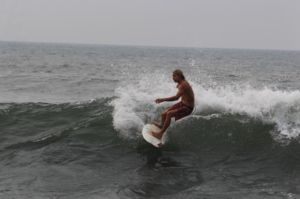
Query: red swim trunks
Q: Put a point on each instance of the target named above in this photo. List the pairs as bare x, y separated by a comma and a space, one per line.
181, 110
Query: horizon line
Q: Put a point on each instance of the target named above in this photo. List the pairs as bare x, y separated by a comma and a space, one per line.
144, 45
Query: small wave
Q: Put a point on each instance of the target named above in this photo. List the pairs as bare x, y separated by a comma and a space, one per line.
39, 142
35, 125
222, 115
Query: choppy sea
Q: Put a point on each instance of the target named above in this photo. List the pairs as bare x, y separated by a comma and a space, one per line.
71, 117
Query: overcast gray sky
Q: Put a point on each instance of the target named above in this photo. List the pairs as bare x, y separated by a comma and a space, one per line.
261, 24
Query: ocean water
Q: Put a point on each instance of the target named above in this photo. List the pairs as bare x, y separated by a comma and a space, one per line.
71, 118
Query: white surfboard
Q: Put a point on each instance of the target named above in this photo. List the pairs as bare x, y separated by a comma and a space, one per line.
146, 132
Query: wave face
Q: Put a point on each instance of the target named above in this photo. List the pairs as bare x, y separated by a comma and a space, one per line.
222, 117
35, 125
50, 145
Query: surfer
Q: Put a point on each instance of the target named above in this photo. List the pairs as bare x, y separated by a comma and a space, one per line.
178, 110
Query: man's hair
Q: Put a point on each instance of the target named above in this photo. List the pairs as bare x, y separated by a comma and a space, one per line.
179, 73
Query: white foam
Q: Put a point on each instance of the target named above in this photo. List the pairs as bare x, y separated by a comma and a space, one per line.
134, 104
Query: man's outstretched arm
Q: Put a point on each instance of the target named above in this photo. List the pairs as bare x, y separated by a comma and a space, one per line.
173, 98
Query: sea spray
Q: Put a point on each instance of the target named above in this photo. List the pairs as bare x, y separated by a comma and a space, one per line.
134, 104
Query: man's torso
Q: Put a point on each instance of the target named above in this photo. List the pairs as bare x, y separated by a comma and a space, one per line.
188, 95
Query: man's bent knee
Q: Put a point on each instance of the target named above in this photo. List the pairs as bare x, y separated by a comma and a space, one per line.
170, 114
164, 113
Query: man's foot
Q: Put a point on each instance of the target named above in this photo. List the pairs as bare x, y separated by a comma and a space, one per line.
157, 135
157, 124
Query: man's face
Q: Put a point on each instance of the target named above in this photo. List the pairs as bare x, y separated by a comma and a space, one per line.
176, 77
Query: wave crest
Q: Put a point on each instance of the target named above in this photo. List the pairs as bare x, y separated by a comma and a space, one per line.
134, 105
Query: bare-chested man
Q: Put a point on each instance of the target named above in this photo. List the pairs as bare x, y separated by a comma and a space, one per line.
180, 109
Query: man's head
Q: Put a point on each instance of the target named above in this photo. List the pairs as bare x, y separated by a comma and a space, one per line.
178, 76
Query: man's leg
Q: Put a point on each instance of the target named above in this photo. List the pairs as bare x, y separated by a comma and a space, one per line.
163, 118
164, 114
167, 121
